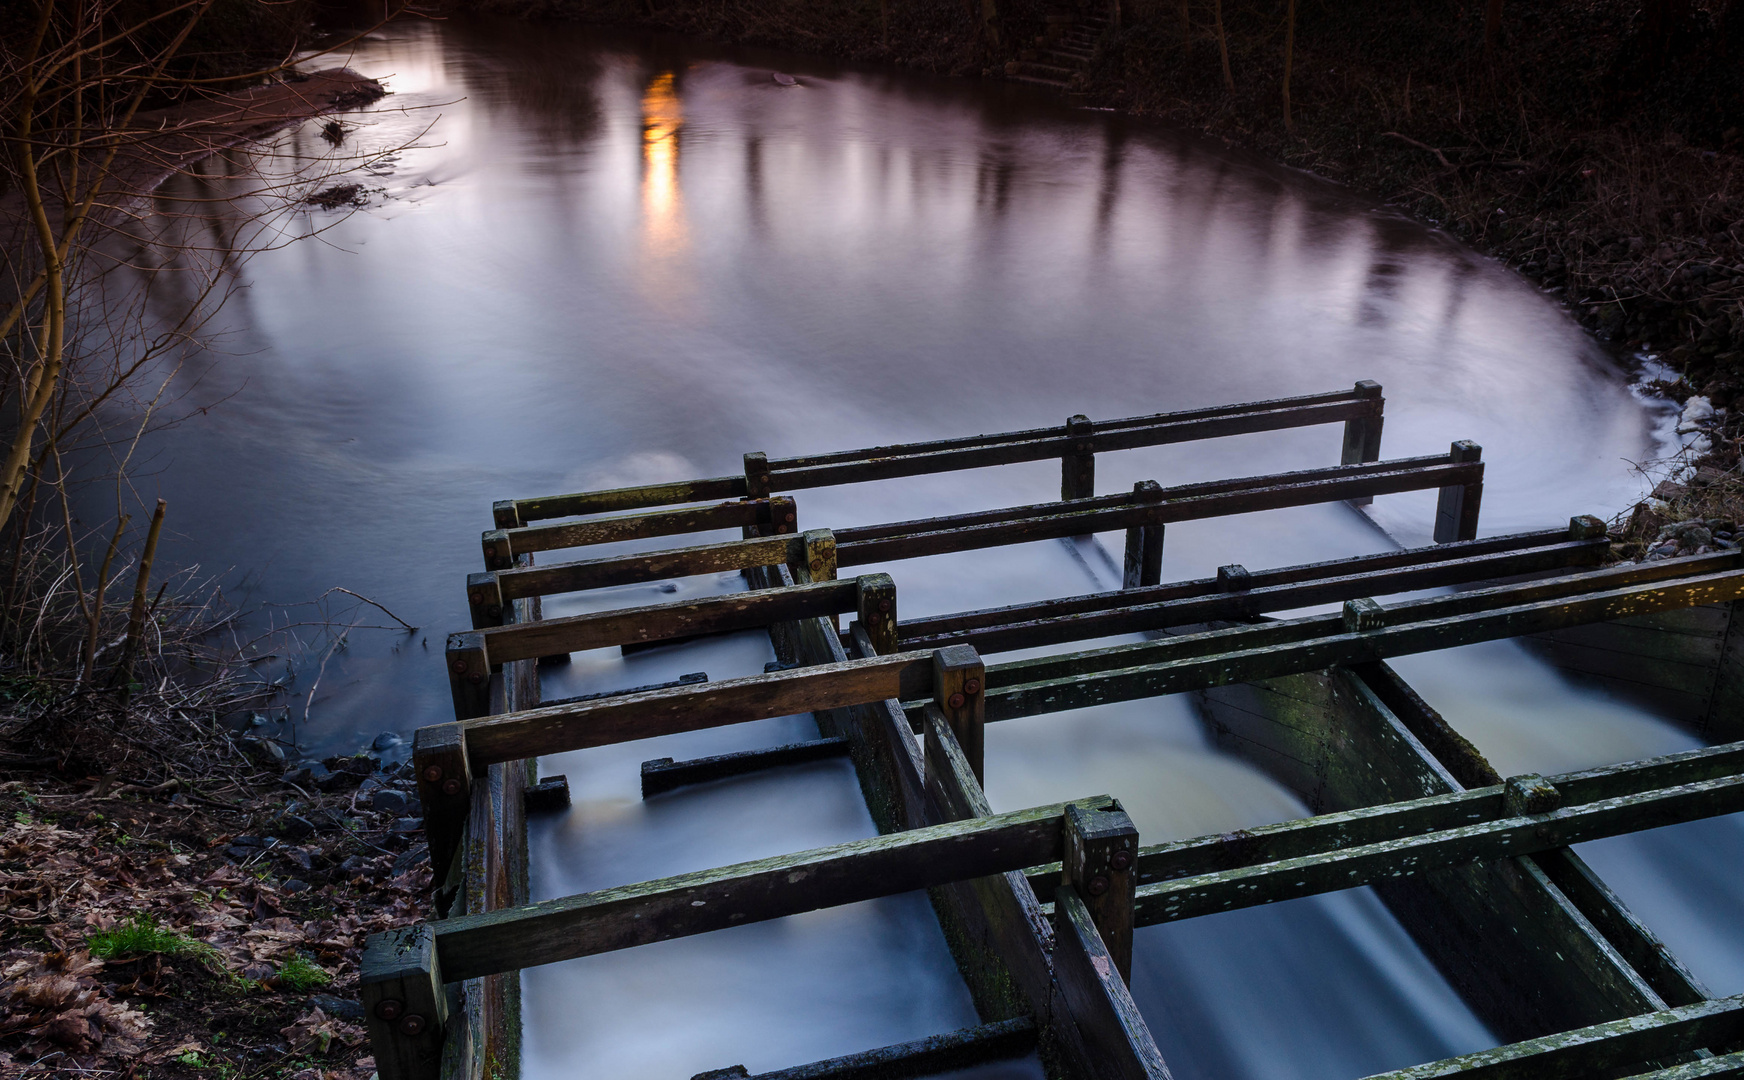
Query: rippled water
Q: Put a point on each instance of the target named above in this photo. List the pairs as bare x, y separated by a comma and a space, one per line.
612, 259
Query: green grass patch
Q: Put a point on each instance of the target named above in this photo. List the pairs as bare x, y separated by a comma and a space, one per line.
142, 934
301, 973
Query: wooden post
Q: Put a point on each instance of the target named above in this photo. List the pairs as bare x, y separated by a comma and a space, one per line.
1233, 578
757, 475
1585, 527
820, 554
444, 775
877, 611
1144, 543
468, 675
484, 596
1078, 467
1363, 614
1101, 849
498, 552
506, 514
1456, 514
404, 1004
1362, 436
780, 516
958, 679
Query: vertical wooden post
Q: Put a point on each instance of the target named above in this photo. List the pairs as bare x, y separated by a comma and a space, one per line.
1144, 543
958, 680
506, 514
484, 597
444, 778
1456, 514
820, 554
468, 675
1233, 578
1078, 466
757, 475
1362, 436
877, 611
404, 1005
779, 515
1101, 850
498, 553
1585, 527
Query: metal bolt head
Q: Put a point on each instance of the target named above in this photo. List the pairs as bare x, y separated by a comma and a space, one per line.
411, 1025
817, 565
971, 686
475, 678
791, 516
884, 606
433, 773
490, 551
477, 597
1098, 885
956, 701
1121, 859
389, 1009
460, 666
451, 786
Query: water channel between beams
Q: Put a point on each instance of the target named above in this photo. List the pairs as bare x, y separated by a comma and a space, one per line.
599, 260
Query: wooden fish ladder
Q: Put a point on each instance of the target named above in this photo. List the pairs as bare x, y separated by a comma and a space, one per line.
1039, 906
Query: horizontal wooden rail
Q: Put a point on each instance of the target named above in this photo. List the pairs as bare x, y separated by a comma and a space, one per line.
473, 946
1524, 815
923, 1057
1362, 403
773, 516
627, 717
1236, 594
648, 566
664, 622
1363, 633
1599, 1050
964, 532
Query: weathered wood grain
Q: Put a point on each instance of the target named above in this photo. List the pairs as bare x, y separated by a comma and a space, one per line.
664, 774
470, 946
1119, 1043
405, 1008
1596, 1050
649, 566
922, 1057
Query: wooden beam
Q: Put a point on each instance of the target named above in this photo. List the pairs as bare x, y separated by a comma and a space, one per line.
959, 678
648, 566
1101, 850
610, 530
1456, 511
444, 778
1120, 1045
469, 672
630, 498
876, 609
1730, 1065
1144, 542
923, 1057
628, 717
1362, 434
663, 774
1599, 1050
404, 1005
470, 946
663, 622
1078, 464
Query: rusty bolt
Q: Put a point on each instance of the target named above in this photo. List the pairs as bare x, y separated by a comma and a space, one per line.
1098, 885
411, 1025
956, 701
490, 551
791, 516
433, 773
971, 686
451, 786
478, 597
389, 1009
1121, 859
475, 678
495, 611
884, 606
817, 565
460, 666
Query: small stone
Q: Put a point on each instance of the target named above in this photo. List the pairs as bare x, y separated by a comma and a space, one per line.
1665, 551
178, 799
299, 858
411, 858
355, 764
387, 740
307, 776
389, 801
408, 825
1667, 490
295, 828
353, 865
247, 841
237, 853
257, 972
294, 885
338, 781
262, 751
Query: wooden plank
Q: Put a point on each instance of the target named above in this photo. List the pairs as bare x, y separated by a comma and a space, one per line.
1120, 1045
550, 931
922, 1057
1725, 718
1242, 654
1078, 465
649, 566
608, 530
627, 717
1034, 625
630, 498
1287, 879
1101, 848
940, 536
405, 1009
1730, 1065
1456, 511
1537, 550
663, 774
1596, 1050
661, 622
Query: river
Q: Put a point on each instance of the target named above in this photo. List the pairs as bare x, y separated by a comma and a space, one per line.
590, 259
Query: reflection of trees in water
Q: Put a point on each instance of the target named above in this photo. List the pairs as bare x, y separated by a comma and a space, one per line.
544, 75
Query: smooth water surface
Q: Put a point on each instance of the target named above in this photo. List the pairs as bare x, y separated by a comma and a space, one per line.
595, 260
